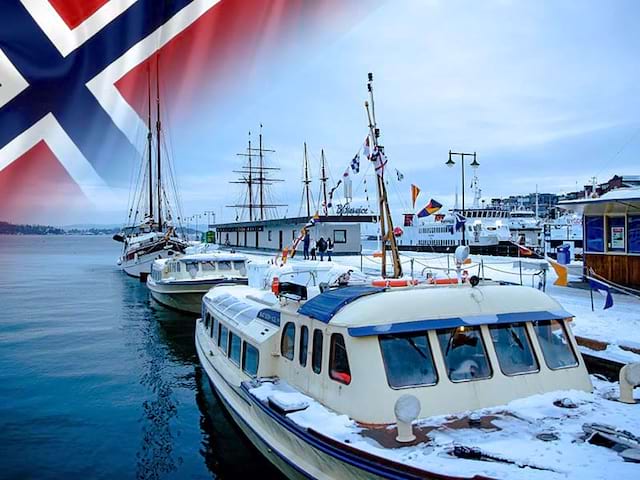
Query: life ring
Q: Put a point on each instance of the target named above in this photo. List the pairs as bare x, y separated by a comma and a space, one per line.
394, 282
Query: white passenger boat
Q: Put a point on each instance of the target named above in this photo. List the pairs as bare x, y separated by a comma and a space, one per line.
180, 282
525, 228
414, 382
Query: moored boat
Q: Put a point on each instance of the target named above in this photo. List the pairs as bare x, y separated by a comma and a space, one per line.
413, 382
181, 282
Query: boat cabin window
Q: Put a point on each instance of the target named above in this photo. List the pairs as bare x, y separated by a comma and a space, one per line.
408, 360
464, 353
250, 359
240, 266
316, 354
208, 266
304, 341
207, 320
513, 348
192, 269
338, 360
214, 328
224, 266
556, 350
287, 342
234, 348
223, 338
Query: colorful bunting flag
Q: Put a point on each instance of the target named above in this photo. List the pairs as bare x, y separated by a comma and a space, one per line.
431, 207
599, 286
355, 164
400, 175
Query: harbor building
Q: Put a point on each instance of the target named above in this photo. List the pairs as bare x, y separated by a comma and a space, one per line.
611, 234
276, 234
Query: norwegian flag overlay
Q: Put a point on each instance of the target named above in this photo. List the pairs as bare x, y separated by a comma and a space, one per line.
73, 83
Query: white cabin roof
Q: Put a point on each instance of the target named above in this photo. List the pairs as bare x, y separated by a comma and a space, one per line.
211, 257
380, 312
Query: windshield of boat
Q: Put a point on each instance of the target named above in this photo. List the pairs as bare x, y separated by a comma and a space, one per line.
464, 353
554, 343
408, 360
513, 348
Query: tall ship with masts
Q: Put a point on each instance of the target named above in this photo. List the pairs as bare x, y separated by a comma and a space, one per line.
150, 232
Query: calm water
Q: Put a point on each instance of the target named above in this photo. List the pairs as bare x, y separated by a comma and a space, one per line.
96, 380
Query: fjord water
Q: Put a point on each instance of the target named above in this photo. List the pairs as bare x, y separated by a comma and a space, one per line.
98, 381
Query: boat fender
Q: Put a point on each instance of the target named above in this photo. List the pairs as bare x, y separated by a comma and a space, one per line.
629, 379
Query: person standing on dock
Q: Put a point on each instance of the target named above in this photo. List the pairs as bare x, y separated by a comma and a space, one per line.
322, 247
306, 241
329, 248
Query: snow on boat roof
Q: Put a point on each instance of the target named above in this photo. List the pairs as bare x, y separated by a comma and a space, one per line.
371, 312
237, 305
211, 257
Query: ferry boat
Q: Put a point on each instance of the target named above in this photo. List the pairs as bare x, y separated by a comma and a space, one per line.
181, 282
485, 228
153, 236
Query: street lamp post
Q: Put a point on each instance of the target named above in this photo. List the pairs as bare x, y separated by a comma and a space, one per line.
474, 164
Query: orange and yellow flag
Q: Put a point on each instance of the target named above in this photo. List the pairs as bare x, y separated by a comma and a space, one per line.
415, 191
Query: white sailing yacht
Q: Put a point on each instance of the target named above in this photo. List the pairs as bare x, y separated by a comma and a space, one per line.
150, 233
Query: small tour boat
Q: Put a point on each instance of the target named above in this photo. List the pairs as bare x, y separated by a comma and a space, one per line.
181, 281
422, 381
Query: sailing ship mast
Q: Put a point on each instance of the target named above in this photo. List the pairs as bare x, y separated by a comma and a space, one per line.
388, 239
250, 175
150, 143
158, 130
306, 181
323, 180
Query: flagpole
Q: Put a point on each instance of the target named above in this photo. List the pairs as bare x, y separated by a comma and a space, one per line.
386, 222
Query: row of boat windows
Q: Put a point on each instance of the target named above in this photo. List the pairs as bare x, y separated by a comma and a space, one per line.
487, 214
408, 358
338, 360
443, 229
239, 351
438, 242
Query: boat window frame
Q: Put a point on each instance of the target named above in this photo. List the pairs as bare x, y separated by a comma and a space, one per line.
319, 334
531, 348
230, 347
221, 327
303, 351
332, 351
246, 344
214, 328
431, 353
486, 352
563, 325
293, 342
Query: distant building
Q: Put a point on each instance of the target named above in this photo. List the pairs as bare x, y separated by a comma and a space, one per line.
546, 202
612, 232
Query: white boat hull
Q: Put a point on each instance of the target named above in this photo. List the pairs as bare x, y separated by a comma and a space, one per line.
292, 455
184, 296
142, 263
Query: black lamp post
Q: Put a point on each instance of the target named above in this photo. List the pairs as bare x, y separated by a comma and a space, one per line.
474, 164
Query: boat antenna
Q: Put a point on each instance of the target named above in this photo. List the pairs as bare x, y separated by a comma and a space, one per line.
150, 142
388, 239
324, 179
307, 180
250, 180
158, 138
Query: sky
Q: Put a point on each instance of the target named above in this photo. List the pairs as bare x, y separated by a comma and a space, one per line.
546, 92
